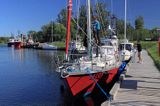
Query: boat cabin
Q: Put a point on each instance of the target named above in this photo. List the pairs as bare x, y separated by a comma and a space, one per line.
125, 51
126, 46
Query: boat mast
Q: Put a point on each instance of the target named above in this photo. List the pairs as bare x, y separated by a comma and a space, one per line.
68, 26
89, 28
125, 18
52, 31
111, 7
77, 14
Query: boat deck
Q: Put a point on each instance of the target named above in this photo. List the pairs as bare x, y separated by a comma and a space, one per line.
90, 67
141, 86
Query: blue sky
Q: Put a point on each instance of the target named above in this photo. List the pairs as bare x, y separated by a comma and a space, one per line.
25, 15
149, 9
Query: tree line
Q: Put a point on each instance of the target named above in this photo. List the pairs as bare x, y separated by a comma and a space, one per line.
56, 30
4, 39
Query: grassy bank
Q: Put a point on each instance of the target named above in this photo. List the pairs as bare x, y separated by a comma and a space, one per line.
152, 48
59, 44
148, 44
153, 51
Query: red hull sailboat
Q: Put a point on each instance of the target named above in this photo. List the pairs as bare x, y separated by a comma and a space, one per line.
84, 74
86, 83
17, 44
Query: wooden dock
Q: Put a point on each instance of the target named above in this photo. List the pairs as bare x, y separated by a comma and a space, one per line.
141, 86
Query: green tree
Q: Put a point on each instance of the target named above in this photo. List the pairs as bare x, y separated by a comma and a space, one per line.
154, 33
47, 29
130, 32
100, 10
82, 20
4, 39
33, 34
59, 31
139, 26
39, 36
139, 23
120, 28
146, 33
62, 17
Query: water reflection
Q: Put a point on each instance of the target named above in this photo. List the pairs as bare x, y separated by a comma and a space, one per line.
17, 54
28, 77
47, 58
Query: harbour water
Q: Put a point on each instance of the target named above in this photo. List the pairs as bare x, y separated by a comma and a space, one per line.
28, 77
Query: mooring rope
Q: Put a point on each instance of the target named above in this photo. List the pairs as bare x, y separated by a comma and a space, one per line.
108, 96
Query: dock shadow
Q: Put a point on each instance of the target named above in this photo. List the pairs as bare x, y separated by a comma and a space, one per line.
129, 84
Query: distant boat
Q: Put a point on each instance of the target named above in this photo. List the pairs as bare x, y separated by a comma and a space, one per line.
46, 46
11, 42
17, 43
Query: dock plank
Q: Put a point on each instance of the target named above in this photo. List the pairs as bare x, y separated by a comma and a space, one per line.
141, 86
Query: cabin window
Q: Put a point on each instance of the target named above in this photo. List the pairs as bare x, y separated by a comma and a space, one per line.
128, 47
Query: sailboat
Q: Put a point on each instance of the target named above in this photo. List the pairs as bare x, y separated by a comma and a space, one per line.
46, 46
77, 44
11, 42
18, 42
126, 47
84, 74
110, 42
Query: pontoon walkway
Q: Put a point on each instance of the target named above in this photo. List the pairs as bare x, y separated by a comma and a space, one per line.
141, 86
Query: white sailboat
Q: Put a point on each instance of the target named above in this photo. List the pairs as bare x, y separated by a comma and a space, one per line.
46, 46
11, 42
125, 48
110, 41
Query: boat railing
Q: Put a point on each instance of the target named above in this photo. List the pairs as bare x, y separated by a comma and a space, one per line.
61, 62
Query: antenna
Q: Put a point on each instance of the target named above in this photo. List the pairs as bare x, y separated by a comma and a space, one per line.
52, 31
77, 15
125, 18
111, 6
